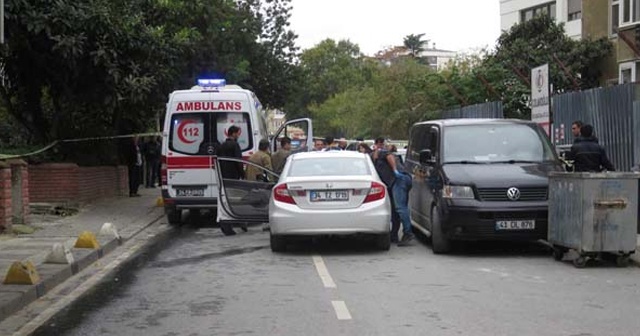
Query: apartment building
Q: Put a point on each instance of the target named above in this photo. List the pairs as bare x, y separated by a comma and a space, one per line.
568, 12
618, 20
437, 59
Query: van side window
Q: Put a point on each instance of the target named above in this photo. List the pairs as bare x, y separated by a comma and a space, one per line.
419, 140
432, 140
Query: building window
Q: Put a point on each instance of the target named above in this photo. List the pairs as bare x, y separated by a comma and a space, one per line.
546, 9
627, 72
615, 16
629, 12
575, 10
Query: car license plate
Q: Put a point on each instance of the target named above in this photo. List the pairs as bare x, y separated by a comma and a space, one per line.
516, 225
329, 195
190, 192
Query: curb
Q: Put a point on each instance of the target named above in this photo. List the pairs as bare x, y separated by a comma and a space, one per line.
14, 298
82, 286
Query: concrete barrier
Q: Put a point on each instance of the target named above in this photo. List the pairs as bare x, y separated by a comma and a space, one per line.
60, 254
87, 240
22, 273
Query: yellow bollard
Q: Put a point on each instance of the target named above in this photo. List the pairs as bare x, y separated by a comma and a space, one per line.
22, 273
87, 240
159, 202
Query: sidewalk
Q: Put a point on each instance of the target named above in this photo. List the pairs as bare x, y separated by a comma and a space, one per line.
130, 215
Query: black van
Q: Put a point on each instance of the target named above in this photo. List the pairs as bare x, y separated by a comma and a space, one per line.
479, 179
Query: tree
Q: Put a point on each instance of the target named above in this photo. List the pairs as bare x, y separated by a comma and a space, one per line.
103, 67
536, 42
415, 44
328, 68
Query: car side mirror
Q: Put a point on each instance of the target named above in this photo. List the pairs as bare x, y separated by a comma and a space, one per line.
426, 157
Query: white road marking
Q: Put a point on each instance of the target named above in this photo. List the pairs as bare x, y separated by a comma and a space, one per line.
341, 310
323, 272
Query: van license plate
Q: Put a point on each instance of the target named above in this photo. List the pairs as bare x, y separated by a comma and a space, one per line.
190, 192
329, 196
516, 225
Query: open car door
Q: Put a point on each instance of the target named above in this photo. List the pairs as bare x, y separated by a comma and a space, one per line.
243, 201
300, 131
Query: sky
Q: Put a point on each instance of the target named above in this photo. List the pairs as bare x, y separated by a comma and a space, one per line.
457, 25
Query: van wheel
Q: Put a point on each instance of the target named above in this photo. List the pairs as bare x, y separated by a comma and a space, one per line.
383, 241
439, 243
278, 243
174, 217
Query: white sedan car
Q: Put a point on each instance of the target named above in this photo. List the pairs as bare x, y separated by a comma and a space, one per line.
329, 193
318, 193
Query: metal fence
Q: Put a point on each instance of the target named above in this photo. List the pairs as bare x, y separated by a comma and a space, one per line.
614, 113
491, 110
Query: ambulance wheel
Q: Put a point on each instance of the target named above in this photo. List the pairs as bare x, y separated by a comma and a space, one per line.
174, 216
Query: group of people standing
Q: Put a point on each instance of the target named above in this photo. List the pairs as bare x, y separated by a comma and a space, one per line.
143, 162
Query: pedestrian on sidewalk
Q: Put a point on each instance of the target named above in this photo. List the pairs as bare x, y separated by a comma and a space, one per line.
134, 164
152, 158
399, 184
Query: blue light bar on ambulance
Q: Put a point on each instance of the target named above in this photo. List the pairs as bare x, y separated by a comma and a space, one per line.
210, 83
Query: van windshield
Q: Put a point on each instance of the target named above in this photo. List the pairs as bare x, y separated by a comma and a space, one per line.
493, 143
202, 133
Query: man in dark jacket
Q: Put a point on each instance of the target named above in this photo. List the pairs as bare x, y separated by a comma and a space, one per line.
231, 170
231, 148
587, 154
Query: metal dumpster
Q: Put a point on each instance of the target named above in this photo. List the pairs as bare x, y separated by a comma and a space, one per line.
593, 214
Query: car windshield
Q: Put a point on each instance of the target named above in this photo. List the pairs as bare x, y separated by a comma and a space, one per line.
329, 166
492, 143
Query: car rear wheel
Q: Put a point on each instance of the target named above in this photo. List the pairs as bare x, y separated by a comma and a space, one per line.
439, 243
383, 241
174, 217
278, 243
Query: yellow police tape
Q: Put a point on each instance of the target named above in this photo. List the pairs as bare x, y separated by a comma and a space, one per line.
53, 144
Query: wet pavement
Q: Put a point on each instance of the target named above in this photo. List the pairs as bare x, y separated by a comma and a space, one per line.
199, 282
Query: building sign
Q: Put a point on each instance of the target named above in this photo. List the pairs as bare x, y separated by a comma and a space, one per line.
540, 101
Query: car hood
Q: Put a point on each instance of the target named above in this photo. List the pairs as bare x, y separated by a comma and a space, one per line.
497, 175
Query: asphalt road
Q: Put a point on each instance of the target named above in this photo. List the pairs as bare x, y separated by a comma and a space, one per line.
202, 283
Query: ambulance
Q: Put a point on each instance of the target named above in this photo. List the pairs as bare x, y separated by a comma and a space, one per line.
196, 123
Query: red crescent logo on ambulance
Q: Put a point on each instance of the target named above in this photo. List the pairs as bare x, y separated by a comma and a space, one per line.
181, 127
226, 131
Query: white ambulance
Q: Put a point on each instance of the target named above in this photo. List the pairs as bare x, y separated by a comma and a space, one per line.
196, 123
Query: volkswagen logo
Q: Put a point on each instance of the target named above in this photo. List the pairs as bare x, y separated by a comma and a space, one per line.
513, 193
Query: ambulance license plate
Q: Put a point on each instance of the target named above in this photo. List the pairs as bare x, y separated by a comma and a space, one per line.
190, 192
